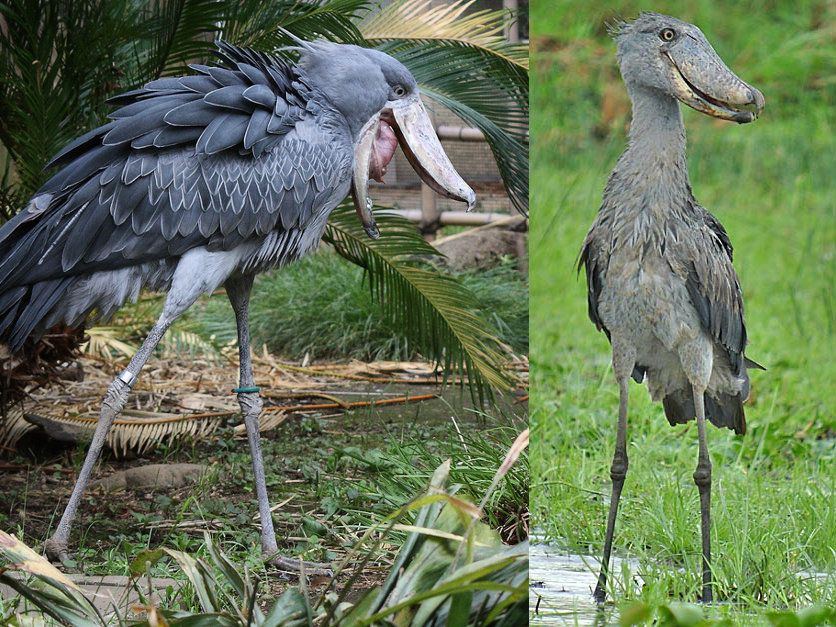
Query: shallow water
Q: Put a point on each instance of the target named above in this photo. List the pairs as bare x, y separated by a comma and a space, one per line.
561, 588
560, 592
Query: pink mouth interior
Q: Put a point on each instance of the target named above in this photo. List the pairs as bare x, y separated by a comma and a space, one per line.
383, 149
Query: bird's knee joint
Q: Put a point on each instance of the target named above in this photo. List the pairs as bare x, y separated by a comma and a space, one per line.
117, 392
702, 476
618, 470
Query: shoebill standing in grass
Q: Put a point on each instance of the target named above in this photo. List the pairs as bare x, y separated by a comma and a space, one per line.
658, 266
206, 180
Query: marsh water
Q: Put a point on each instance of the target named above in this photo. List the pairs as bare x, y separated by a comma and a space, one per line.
560, 592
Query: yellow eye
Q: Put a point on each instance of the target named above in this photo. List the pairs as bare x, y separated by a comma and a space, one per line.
667, 34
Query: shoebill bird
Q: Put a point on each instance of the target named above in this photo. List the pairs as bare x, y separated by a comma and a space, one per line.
206, 180
658, 266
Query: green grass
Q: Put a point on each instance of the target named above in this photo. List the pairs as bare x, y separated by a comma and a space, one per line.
339, 475
771, 184
321, 306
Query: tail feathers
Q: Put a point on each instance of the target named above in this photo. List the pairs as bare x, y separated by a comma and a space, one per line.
23, 310
722, 410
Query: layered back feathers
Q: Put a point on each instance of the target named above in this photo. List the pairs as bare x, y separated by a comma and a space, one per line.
211, 159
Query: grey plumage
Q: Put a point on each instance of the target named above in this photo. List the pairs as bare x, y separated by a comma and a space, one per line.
660, 280
650, 228
202, 181
183, 164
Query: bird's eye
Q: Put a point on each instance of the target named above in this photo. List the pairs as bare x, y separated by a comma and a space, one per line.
400, 92
667, 34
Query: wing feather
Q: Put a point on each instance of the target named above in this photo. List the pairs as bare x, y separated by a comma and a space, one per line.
228, 135
231, 97
714, 289
206, 160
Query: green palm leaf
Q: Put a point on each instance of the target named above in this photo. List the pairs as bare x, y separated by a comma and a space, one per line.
254, 22
58, 63
439, 314
174, 34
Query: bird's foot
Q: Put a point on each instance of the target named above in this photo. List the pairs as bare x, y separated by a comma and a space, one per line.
298, 566
57, 552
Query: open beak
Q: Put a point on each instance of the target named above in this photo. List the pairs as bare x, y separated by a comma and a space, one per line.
417, 138
702, 81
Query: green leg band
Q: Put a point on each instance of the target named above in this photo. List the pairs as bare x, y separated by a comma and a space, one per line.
246, 390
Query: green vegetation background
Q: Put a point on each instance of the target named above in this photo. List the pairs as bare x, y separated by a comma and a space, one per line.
771, 185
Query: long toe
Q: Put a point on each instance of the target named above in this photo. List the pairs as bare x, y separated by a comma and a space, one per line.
300, 566
58, 553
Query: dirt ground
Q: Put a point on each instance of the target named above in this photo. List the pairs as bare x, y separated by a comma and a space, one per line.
328, 430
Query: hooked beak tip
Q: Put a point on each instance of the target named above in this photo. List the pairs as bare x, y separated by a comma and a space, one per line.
758, 100
471, 200
744, 117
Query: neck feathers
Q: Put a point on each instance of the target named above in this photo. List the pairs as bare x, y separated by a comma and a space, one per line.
649, 190
652, 174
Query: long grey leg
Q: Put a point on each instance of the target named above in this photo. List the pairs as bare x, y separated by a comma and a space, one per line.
618, 471
238, 290
702, 477
56, 547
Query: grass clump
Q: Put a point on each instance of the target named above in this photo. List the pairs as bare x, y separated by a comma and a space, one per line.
451, 569
406, 466
770, 184
321, 307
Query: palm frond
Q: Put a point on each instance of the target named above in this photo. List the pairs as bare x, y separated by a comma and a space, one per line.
255, 22
436, 310
107, 343
462, 62
13, 425
449, 24
58, 63
180, 342
178, 32
135, 431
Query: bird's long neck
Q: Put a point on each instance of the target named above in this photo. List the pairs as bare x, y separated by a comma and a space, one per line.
652, 174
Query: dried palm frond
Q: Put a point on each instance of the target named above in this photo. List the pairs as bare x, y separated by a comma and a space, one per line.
179, 342
105, 342
13, 425
266, 422
135, 431
425, 20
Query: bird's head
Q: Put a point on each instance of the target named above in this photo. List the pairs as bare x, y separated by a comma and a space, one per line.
666, 54
379, 98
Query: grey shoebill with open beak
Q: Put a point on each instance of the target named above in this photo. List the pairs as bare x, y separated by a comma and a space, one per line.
659, 272
201, 181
